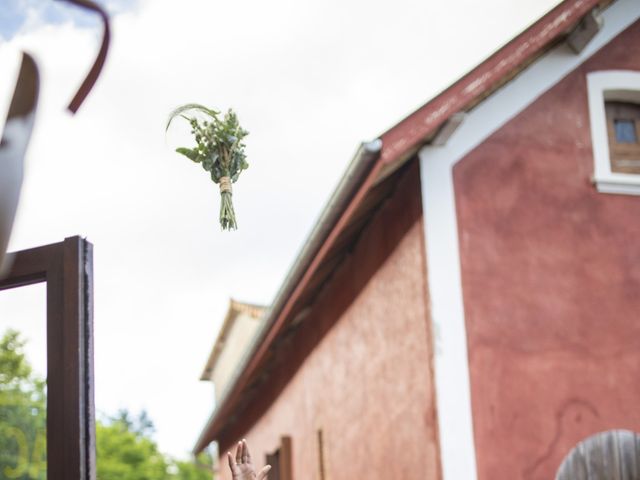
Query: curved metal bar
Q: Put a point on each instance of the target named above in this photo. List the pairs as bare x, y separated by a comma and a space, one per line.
94, 73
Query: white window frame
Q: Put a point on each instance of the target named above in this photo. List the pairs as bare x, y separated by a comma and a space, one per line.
619, 85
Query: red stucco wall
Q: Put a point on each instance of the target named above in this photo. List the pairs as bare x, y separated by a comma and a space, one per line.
551, 282
365, 377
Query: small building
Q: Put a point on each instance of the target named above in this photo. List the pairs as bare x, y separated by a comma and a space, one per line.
467, 305
238, 330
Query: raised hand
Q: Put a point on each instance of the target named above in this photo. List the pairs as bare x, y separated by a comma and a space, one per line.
241, 466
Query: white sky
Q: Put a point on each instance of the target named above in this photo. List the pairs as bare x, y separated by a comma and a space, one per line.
309, 80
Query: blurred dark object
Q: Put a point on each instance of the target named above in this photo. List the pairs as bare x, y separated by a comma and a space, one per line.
19, 125
13, 147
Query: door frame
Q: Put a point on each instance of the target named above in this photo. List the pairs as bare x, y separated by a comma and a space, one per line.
67, 269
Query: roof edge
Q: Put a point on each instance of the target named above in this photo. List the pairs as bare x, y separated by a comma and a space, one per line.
405, 136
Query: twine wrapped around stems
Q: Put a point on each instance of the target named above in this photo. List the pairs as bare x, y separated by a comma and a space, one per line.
225, 185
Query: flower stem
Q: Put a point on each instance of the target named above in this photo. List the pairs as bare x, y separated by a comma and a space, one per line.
227, 214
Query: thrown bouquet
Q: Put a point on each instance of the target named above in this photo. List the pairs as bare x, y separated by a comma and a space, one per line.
219, 149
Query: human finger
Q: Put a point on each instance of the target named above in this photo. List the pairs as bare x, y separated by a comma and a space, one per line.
232, 464
246, 455
263, 473
239, 452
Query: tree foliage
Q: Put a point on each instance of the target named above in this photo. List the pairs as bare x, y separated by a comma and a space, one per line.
126, 449
126, 454
191, 471
22, 414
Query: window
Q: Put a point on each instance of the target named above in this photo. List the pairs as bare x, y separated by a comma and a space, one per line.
614, 111
623, 131
280, 461
273, 459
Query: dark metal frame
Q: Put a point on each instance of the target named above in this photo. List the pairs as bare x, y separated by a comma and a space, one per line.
67, 269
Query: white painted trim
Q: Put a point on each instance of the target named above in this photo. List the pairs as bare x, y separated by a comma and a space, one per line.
453, 394
621, 85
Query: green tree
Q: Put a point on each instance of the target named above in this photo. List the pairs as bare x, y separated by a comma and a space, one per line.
125, 446
126, 454
22, 414
192, 470
127, 451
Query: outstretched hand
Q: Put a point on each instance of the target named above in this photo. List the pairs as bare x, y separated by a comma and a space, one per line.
241, 466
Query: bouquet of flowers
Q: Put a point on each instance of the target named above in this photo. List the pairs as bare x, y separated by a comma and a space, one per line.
219, 149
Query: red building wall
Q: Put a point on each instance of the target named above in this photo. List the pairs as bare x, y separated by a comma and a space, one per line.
551, 282
365, 375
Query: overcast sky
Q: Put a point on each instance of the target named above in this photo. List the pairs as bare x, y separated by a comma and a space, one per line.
309, 80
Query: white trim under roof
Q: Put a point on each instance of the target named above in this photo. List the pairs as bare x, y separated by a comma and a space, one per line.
453, 394
621, 85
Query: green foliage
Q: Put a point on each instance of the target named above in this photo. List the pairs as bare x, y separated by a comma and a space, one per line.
220, 151
181, 110
140, 425
192, 471
22, 414
127, 451
126, 454
125, 446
